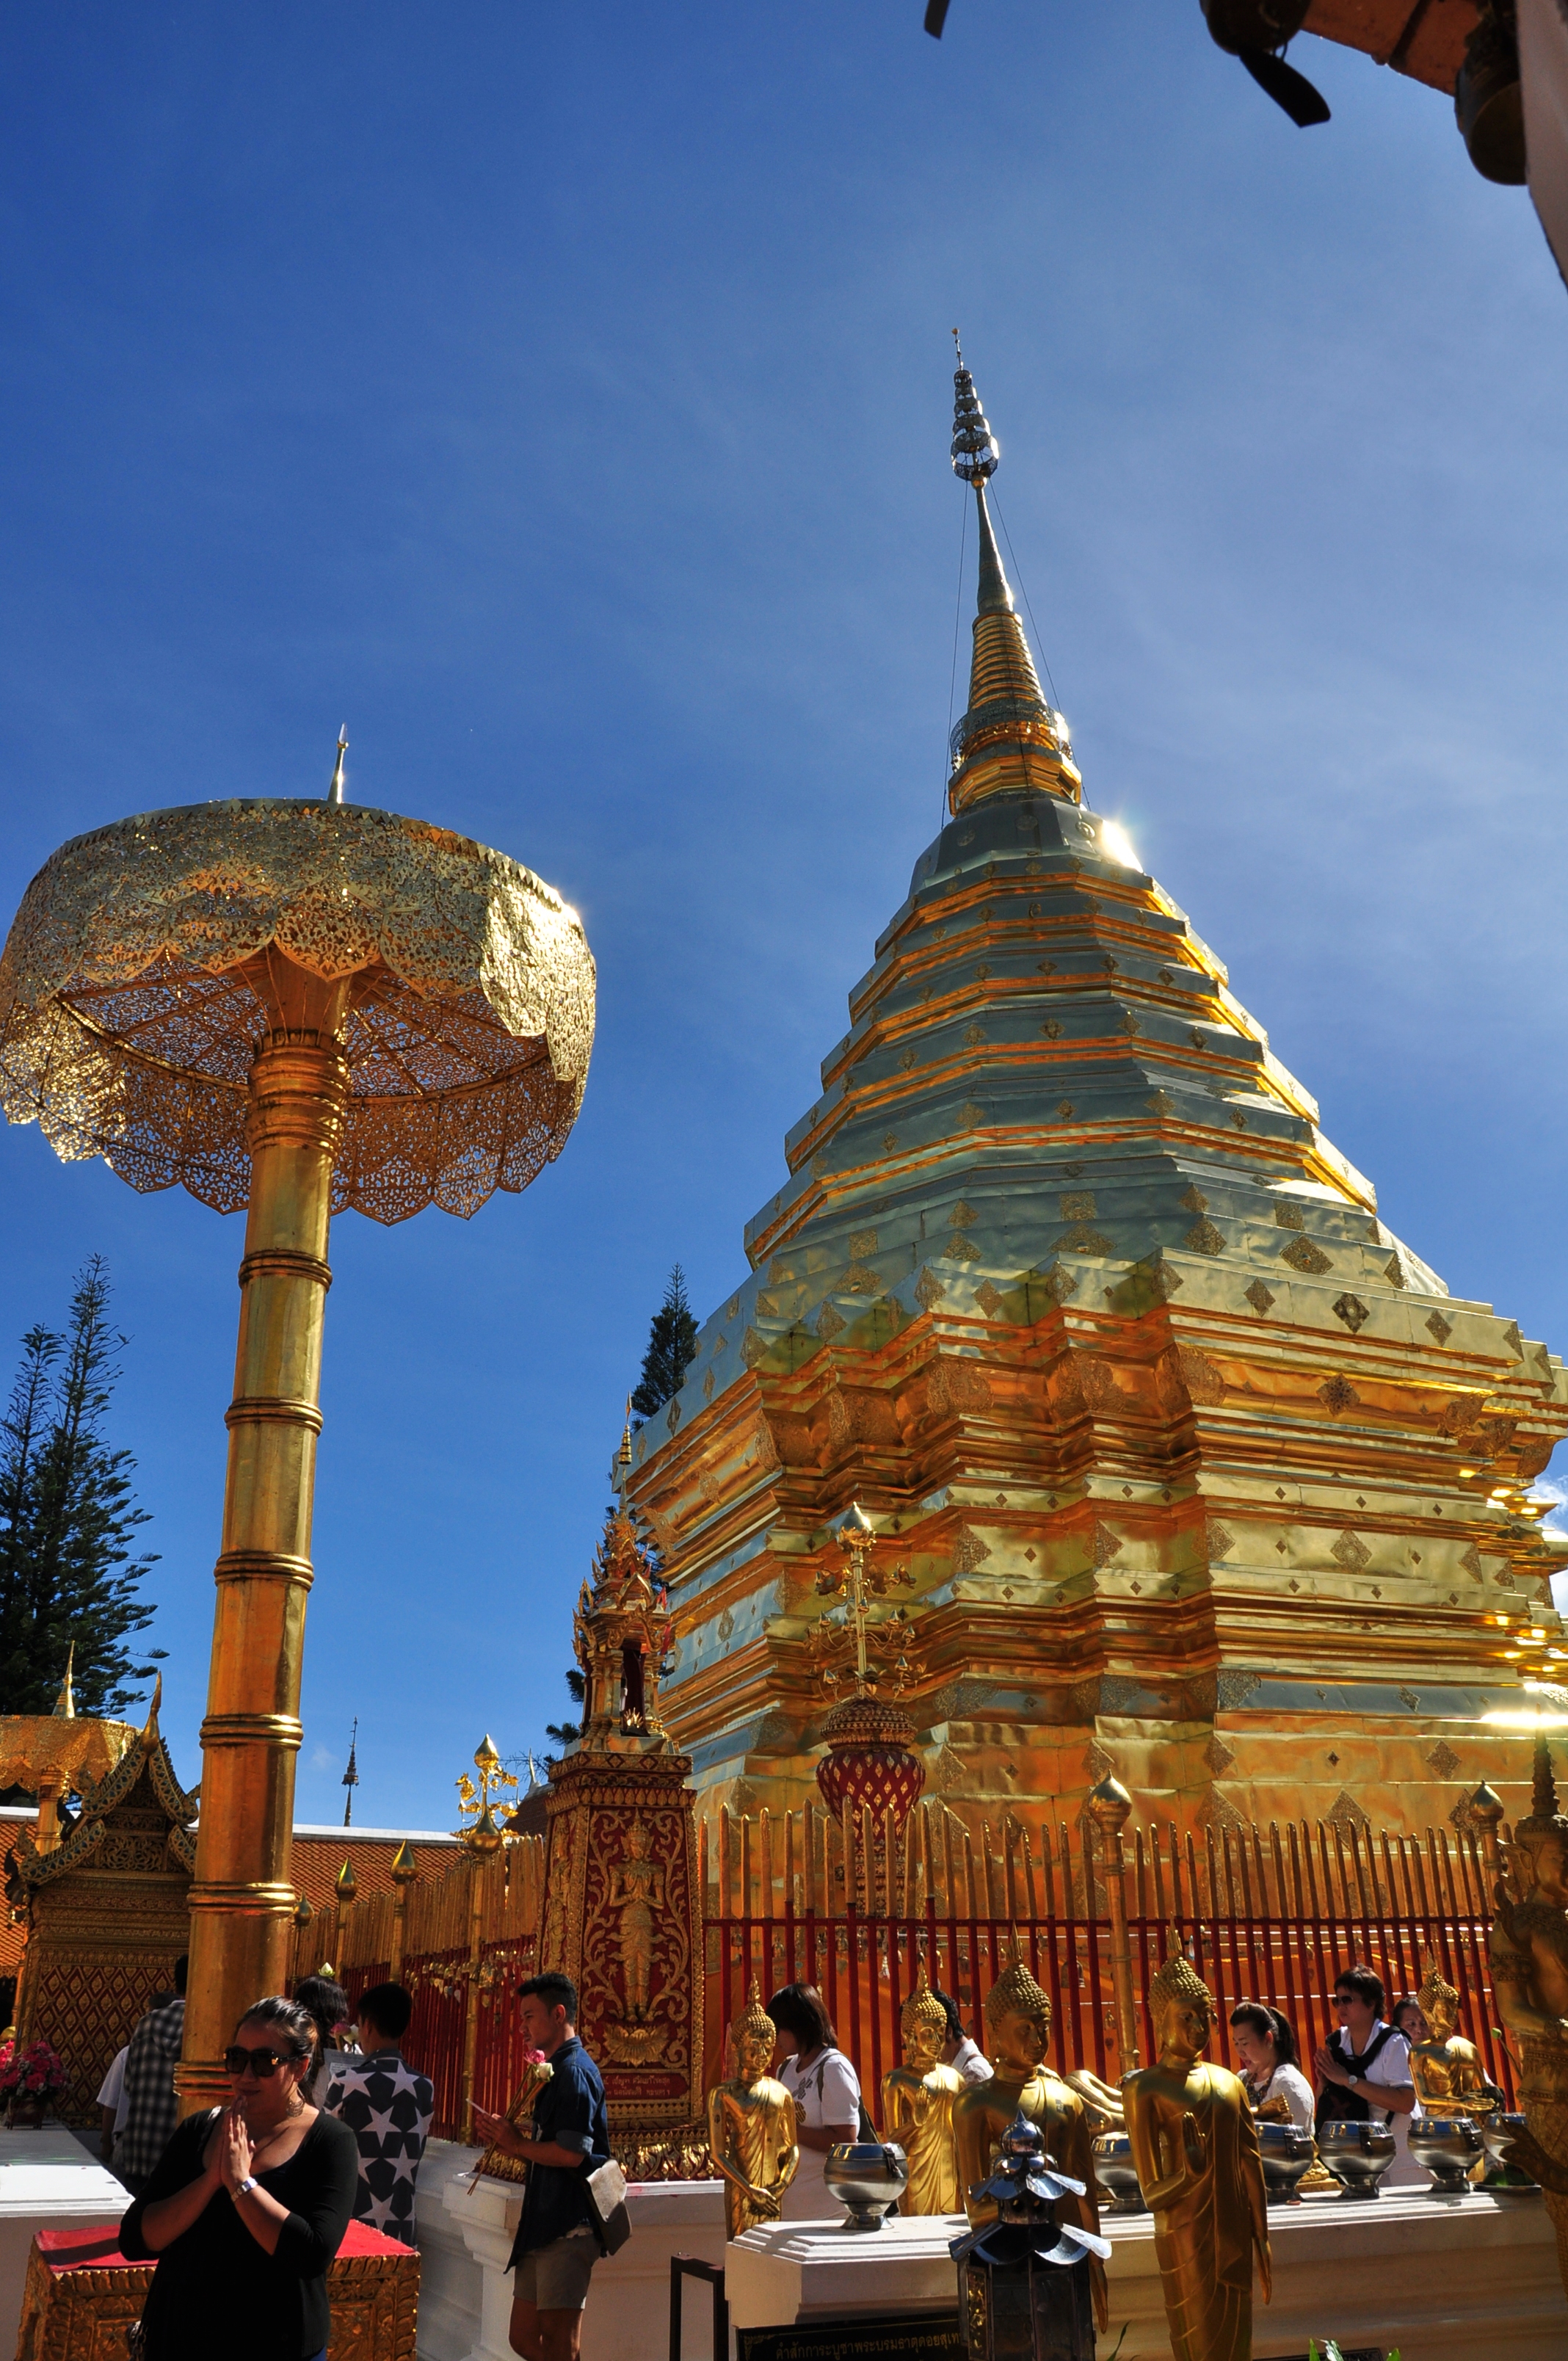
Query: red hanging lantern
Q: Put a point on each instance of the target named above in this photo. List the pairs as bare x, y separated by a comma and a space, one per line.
869, 1761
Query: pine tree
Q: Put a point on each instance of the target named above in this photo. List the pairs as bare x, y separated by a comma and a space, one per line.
67, 1519
672, 1348
567, 1733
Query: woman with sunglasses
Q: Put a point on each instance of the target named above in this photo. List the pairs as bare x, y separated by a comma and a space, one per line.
247, 2208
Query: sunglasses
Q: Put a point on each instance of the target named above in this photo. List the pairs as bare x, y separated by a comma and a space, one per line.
1343, 2000
262, 2063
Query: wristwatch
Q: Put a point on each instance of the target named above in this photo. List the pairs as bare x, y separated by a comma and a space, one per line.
247, 2185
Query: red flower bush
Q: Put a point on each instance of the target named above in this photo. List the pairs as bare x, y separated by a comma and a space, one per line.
36, 2072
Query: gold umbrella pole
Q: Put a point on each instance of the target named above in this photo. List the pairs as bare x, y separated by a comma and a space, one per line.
242, 1904
424, 1009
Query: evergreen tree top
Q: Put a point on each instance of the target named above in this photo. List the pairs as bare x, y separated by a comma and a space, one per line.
672, 1348
68, 1519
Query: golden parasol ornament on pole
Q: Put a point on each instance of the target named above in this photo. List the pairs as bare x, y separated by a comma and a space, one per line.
297, 1006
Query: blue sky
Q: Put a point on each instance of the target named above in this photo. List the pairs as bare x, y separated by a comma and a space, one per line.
561, 398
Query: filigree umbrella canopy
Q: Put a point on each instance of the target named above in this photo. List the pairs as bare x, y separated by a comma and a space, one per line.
141, 978
295, 1007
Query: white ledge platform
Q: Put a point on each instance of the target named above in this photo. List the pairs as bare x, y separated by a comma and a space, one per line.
1467, 2278
48, 2181
464, 2313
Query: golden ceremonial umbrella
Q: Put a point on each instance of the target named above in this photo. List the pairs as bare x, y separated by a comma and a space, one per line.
294, 1007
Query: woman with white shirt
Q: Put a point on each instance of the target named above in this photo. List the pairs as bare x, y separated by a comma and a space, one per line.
827, 2093
1266, 2048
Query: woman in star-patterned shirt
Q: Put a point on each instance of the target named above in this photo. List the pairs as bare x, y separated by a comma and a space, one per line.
387, 2107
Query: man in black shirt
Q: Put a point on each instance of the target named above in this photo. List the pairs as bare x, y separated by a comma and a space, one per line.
556, 2245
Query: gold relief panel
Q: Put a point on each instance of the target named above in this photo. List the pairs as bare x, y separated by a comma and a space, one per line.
626, 1901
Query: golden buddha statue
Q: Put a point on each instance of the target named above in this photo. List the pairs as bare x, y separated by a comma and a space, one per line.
1529, 1948
1195, 2147
918, 2105
1446, 2069
1019, 2017
752, 2126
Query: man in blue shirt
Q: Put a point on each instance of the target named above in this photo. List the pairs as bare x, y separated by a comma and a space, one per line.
556, 2245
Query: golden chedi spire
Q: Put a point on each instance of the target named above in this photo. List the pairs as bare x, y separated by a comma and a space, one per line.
1010, 736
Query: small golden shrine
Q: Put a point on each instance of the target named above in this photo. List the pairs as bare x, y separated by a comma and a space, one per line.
107, 1900
621, 1907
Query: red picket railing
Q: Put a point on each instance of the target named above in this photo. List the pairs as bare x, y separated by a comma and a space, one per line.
855, 1905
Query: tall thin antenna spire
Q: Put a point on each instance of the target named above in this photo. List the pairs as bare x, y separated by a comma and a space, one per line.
351, 1776
334, 793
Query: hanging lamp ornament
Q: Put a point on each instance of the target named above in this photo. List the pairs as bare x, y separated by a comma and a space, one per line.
869, 1761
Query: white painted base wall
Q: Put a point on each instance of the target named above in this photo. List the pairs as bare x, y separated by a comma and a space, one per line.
48, 2181
464, 2236
1467, 2278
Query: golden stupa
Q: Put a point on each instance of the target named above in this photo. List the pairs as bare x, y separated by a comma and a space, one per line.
1189, 1468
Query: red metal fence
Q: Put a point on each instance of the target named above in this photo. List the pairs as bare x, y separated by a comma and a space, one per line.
1270, 1915
855, 1905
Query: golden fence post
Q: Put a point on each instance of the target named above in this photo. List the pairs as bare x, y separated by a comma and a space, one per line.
405, 1869
347, 1890
471, 1992
303, 1914
1486, 1809
1111, 1806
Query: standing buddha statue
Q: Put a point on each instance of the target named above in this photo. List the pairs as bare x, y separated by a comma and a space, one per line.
1195, 2147
1529, 1948
1018, 2019
1446, 2069
752, 2125
918, 2105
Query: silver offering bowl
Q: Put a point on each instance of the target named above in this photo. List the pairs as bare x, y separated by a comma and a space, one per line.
868, 2178
1116, 2172
1449, 2147
1286, 2152
1358, 2154
1496, 2133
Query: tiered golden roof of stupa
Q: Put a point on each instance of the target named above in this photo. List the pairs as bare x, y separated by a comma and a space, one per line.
1069, 1289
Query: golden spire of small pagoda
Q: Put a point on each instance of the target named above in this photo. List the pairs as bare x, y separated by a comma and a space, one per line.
65, 1703
1010, 736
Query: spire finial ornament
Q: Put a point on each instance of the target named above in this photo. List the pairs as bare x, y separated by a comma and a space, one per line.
351, 1776
334, 793
1544, 1812
65, 1703
1011, 738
